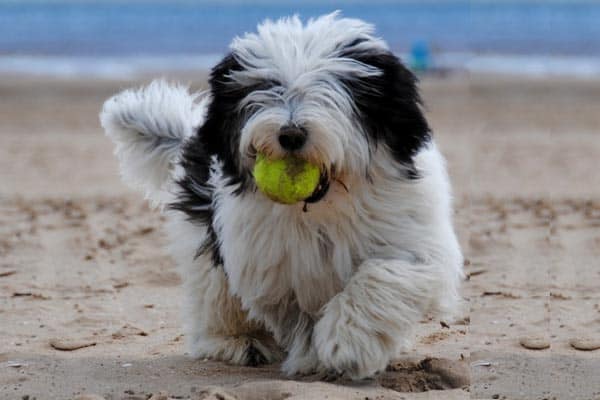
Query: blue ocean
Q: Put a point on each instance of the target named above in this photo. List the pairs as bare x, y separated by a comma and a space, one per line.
118, 37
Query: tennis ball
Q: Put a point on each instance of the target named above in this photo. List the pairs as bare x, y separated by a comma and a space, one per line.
286, 180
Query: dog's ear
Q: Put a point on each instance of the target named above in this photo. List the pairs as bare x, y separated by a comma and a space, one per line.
223, 124
148, 127
389, 106
220, 134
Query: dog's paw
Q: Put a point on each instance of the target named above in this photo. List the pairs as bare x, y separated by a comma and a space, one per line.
238, 350
301, 363
348, 346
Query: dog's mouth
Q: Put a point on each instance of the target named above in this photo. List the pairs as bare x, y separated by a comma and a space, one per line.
321, 189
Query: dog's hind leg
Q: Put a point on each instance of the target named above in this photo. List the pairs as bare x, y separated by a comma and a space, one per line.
292, 329
215, 325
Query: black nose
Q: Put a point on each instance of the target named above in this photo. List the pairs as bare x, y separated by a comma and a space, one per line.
292, 137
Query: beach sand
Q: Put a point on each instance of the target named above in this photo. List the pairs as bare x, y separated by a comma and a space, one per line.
83, 265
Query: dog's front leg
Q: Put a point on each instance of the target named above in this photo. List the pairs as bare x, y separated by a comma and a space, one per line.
366, 324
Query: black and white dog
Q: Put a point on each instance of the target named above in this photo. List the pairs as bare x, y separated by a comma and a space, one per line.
334, 283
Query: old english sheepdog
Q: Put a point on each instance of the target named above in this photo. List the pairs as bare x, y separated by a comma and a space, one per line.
331, 284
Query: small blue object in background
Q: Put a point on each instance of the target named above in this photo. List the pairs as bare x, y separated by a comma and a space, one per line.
420, 57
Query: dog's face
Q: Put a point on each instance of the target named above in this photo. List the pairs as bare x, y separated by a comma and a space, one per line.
328, 91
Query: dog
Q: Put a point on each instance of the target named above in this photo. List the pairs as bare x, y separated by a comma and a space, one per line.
332, 284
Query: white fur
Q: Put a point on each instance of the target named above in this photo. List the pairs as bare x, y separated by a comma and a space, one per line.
338, 287
148, 127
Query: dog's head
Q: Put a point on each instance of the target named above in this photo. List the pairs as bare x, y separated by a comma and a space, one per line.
328, 91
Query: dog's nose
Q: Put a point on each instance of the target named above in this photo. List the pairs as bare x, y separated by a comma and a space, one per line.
292, 137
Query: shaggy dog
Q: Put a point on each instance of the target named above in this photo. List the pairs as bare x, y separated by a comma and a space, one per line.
331, 284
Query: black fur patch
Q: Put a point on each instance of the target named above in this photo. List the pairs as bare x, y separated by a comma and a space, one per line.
220, 134
389, 106
196, 202
215, 137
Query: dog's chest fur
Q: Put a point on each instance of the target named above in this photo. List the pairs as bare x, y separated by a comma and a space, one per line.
272, 251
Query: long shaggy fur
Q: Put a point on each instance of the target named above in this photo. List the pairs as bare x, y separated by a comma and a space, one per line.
332, 284
149, 127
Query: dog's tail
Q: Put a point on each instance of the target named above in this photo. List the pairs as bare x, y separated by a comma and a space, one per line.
149, 126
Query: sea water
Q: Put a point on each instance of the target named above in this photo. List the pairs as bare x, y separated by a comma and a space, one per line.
119, 39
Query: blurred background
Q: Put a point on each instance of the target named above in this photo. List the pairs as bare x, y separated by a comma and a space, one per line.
122, 38
511, 90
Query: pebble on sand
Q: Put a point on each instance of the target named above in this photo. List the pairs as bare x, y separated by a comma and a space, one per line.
162, 395
69, 344
585, 344
89, 397
14, 364
534, 342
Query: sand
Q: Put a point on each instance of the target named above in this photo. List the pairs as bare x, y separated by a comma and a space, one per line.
89, 299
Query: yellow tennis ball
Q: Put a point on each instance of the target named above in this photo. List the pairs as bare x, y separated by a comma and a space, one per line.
286, 180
